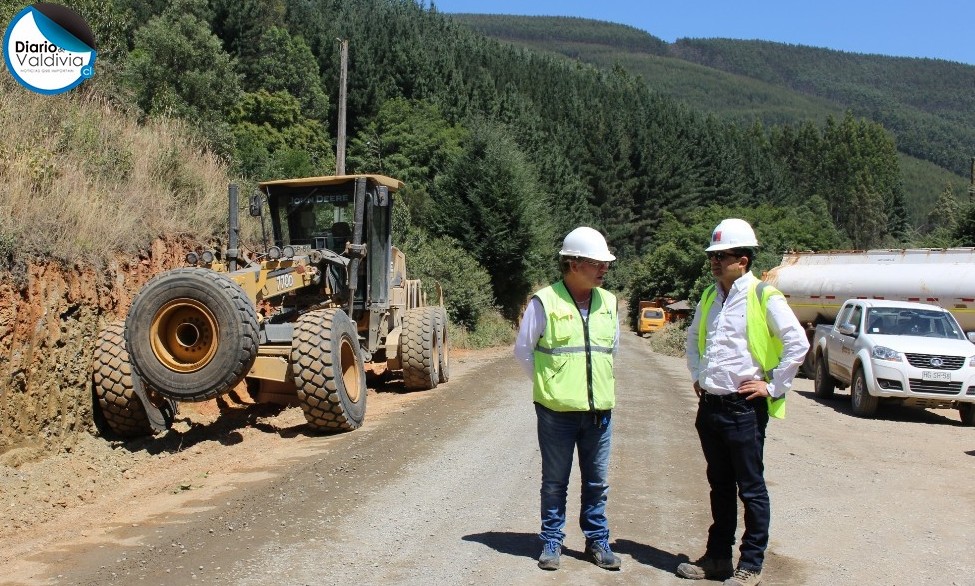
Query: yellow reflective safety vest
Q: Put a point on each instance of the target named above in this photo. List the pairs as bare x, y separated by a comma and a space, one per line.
574, 356
764, 347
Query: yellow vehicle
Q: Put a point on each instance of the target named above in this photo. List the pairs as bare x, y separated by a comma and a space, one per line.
652, 318
297, 321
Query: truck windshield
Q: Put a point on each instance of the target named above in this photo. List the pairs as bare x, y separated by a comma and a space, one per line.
913, 322
318, 218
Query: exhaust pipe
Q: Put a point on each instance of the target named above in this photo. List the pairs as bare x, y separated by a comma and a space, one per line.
233, 228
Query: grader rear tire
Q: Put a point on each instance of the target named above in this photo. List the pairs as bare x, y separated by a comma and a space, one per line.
444, 346
420, 348
112, 385
191, 334
328, 370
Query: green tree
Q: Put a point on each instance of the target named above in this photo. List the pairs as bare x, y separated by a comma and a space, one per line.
178, 69
860, 179
491, 202
243, 24
443, 261
409, 140
945, 213
274, 140
284, 62
945, 222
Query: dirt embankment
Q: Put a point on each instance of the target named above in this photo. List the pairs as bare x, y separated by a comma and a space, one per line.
50, 316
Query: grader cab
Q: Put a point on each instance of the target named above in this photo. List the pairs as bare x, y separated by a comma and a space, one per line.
297, 323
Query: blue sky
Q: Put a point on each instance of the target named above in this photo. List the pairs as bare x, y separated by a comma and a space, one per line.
939, 29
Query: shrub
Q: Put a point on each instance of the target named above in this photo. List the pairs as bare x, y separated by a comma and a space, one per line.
492, 330
670, 340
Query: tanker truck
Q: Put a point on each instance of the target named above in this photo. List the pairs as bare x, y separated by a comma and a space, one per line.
818, 285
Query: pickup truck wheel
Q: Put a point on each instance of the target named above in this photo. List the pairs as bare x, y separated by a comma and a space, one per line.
864, 404
825, 385
967, 412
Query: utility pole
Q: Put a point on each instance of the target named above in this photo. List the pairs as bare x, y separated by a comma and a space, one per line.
343, 80
971, 183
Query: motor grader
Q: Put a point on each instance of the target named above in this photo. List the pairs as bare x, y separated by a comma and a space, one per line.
296, 323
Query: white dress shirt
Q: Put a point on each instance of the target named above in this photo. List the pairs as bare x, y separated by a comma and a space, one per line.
727, 362
532, 327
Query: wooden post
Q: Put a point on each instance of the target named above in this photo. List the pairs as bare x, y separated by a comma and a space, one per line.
343, 80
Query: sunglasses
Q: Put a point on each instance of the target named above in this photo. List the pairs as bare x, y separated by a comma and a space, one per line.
720, 255
599, 264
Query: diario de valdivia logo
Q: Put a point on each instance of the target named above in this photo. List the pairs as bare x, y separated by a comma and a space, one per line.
49, 48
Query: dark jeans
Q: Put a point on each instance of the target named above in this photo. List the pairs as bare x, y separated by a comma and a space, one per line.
732, 433
559, 434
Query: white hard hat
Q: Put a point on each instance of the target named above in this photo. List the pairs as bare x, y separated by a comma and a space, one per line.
732, 233
586, 243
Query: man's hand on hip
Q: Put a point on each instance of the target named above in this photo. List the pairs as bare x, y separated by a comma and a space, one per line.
753, 389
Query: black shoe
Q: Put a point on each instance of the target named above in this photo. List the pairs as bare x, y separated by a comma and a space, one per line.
599, 553
549, 560
706, 567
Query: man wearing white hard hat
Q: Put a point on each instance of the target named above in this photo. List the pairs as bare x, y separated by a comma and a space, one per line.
568, 337
744, 347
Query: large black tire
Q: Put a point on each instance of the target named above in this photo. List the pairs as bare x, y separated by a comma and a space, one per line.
864, 404
329, 371
112, 386
420, 349
808, 367
443, 364
967, 413
191, 334
824, 385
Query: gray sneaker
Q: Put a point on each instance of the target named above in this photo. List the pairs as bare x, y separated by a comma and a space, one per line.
744, 577
706, 567
600, 554
551, 552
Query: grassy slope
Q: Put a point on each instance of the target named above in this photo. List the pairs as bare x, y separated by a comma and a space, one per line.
765, 92
81, 179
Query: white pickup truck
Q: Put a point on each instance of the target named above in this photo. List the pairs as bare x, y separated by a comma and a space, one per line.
896, 350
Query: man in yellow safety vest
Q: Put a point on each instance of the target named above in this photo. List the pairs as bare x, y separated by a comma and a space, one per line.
744, 347
568, 337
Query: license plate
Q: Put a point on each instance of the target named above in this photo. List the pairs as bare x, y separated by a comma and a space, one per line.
939, 375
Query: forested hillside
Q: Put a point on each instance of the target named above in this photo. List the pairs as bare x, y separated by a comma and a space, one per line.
926, 104
503, 149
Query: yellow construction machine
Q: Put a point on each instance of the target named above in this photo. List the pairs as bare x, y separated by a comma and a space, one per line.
297, 322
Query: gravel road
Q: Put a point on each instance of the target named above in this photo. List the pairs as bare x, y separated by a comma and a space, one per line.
442, 488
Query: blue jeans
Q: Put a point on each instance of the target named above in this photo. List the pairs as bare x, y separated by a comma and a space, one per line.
559, 434
733, 440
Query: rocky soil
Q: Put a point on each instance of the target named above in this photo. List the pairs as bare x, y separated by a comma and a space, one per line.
49, 318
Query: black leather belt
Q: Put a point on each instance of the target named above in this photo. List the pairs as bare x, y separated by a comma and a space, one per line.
722, 401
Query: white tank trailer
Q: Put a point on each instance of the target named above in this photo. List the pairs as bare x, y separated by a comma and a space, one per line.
817, 283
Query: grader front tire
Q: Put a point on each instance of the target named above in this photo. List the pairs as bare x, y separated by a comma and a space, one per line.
191, 334
329, 371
